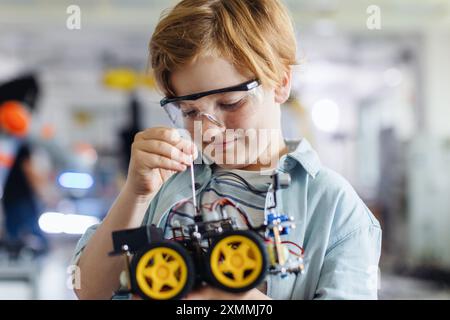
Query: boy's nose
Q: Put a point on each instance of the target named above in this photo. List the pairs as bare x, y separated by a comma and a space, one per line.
210, 129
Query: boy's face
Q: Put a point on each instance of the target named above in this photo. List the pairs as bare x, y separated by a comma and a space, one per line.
251, 129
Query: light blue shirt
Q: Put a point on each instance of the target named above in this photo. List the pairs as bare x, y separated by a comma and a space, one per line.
340, 236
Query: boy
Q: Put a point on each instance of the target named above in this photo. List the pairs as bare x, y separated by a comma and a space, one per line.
225, 68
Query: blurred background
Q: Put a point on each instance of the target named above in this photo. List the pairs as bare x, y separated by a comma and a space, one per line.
371, 93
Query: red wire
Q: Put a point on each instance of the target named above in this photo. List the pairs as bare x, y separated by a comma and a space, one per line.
295, 253
293, 243
177, 238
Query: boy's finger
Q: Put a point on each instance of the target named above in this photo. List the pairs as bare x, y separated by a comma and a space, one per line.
170, 135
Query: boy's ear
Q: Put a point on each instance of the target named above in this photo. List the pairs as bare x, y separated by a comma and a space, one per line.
283, 90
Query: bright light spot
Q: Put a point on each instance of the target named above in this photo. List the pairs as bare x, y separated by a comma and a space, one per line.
75, 180
325, 115
392, 77
51, 222
55, 222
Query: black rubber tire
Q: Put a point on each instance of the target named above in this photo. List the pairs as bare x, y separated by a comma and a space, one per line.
179, 249
265, 261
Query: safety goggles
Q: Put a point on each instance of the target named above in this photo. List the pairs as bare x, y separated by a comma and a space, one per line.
183, 112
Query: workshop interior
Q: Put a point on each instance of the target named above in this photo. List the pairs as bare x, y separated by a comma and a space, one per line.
371, 93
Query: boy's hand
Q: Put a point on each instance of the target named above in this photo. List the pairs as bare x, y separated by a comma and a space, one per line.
211, 293
156, 154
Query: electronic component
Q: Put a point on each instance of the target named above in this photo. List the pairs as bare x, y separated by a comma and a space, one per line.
210, 247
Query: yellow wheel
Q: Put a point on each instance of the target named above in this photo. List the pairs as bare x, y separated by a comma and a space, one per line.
164, 270
237, 261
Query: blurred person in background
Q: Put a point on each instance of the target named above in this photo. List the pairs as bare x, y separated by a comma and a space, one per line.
132, 127
24, 183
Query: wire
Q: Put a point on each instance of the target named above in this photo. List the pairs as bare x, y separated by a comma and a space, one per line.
245, 182
178, 238
173, 213
182, 202
295, 253
223, 202
292, 243
241, 180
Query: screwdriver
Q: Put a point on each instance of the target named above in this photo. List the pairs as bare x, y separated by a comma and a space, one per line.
194, 200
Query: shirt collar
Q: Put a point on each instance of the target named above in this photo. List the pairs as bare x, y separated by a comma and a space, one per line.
302, 152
